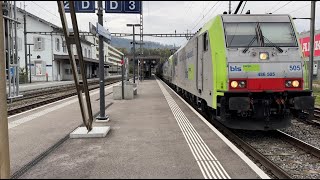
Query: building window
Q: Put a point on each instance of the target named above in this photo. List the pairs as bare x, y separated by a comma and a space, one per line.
64, 46
38, 43
57, 44
89, 53
85, 52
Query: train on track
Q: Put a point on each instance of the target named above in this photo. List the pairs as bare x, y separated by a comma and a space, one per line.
246, 71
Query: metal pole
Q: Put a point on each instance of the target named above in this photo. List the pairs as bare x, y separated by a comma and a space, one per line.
9, 48
313, 9
16, 48
122, 79
30, 63
134, 57
102, 116
4, 137
141, 37
25, 41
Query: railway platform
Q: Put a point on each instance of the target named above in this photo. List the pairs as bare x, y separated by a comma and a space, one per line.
154, 135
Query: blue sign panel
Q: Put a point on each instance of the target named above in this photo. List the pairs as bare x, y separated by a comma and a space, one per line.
66, 6
123, 7
114, 7
81, 6
86, 6
11, 71
132, 6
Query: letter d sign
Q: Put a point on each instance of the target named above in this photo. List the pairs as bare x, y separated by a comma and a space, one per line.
114, 6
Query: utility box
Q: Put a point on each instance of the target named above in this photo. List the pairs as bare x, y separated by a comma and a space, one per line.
315, 69
129, 91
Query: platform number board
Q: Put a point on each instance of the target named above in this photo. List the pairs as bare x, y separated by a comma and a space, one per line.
123, 7
81, 6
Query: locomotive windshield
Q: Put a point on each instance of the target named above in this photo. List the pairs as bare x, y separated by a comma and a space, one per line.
246, 34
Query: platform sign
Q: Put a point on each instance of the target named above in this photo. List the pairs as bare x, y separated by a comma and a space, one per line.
92, 29
113, 7
103, 32
123, 7
81, 6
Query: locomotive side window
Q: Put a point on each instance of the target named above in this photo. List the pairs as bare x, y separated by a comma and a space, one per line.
205, 41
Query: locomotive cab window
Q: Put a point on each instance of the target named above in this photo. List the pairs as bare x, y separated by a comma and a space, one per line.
246, 34
205, 41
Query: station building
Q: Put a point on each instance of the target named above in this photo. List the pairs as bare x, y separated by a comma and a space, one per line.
49, 56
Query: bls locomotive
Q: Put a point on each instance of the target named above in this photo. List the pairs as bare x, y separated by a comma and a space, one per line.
246, 71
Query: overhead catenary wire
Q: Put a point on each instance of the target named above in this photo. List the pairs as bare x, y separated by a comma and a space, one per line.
300, 8
205, 15
45, 9
200, 15
274, 6
282, 6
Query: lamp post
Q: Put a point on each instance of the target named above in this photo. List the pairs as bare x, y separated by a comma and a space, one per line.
134, 51
103, 117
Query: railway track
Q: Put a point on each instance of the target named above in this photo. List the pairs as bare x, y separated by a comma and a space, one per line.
315, 121
317, 115
51, 96
29, 94
294, 158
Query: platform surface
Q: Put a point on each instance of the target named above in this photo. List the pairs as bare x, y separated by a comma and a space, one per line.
154, 135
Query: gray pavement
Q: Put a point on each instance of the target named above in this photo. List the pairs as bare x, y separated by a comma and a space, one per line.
145, 141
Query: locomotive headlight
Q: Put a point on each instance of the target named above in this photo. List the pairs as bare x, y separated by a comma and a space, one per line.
264, 55
288, 83
295, 83
234, 84
242, 84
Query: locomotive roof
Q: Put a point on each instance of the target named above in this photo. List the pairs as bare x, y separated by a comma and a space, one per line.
255, 18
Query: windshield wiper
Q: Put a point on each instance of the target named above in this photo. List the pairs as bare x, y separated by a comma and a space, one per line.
246, 49
279, 49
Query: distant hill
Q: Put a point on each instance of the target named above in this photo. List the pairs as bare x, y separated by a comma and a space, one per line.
125, 43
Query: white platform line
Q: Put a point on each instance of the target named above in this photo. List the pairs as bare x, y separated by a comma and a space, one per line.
46, 111
199, 143
251, 164
195, 144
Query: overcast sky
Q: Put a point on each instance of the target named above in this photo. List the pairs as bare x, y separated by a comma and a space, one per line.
182, 16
